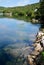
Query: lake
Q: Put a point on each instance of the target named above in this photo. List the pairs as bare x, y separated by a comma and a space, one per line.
15, 37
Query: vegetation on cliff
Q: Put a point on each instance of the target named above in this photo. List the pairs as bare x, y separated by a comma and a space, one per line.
42, 10
22, 12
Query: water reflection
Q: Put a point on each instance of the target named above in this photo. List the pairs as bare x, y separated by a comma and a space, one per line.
15, 36
17, 31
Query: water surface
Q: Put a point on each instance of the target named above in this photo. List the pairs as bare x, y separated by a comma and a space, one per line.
15, 35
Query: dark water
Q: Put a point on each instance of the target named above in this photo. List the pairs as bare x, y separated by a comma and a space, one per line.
15, 34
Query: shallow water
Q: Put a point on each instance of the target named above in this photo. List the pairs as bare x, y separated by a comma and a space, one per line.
16, 34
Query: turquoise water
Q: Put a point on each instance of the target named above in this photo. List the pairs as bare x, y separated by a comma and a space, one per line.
15, 34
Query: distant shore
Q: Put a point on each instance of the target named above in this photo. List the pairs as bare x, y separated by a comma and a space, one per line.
28, 12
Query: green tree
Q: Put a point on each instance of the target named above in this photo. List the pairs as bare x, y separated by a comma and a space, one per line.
42, 10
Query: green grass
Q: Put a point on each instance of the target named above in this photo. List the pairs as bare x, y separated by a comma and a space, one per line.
42, 53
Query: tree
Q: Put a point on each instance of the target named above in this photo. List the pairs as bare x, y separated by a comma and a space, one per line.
42, 10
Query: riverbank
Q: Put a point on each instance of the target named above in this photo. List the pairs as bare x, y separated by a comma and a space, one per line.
27, 19
28, 12
37, 56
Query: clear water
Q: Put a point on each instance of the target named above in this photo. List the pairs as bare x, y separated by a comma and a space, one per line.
15, 34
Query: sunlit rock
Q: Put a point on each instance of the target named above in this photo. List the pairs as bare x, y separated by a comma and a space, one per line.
34, 57
42, 41
40, 33
38, 47
30, 60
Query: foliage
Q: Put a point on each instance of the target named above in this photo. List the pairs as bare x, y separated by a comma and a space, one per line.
42, 53
27, 10
42, 10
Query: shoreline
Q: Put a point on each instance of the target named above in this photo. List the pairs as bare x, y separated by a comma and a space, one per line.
34, 57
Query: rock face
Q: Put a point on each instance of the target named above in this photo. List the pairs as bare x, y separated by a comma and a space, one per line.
42, 41
34, 20
34, 57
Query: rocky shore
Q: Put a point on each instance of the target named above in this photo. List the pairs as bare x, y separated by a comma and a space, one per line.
34, 58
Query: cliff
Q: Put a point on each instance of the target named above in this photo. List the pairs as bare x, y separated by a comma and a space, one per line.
35, 58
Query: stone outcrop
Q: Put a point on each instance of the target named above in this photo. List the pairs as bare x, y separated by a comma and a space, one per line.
34, 57
35, 20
